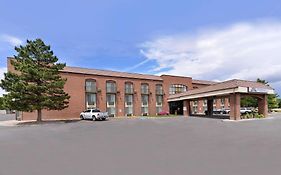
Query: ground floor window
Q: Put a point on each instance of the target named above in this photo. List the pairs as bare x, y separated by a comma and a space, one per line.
144, 104
129, 105
215, 104
222, 102
159, 103
111, 104
195, 107
205, 108
91, 100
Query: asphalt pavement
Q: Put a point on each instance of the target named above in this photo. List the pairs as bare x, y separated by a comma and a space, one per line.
166, 146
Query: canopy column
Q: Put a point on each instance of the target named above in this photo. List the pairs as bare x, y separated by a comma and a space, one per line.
186, 108
235, 106
263, 105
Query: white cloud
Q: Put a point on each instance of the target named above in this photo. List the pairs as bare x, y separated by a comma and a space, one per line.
242, 50
2, 71
12, 40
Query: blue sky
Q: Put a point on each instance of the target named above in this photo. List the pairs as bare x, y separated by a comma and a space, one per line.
205, 39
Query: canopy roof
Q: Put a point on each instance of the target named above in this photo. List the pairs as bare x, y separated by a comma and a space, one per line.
224, 88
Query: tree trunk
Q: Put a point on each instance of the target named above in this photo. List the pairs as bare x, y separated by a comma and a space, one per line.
39, 115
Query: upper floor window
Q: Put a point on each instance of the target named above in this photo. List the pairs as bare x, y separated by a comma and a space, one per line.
144, 89
110, 87
129, 88
177, 88
91, 86
159, 89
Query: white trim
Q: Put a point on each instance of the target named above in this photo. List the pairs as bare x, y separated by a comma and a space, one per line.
217, 93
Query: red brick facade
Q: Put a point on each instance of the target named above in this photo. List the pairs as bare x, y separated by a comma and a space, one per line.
75, 87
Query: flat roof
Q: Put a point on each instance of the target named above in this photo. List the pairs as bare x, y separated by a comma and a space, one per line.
224, 88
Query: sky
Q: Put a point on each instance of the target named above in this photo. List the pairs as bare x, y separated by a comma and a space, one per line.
205, 39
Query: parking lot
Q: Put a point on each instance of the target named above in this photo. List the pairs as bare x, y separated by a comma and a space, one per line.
165, 146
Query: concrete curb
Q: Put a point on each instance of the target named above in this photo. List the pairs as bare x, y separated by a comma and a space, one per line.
247, 120
143, 117
9, 123
33, 122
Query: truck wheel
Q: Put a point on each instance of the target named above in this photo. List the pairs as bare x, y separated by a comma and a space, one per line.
94, 118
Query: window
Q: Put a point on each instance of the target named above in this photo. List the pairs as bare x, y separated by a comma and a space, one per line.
129, 88
159, 98
129, 105
222, 102
111, 98
91, 96
159, 103
144, 89
177, 88
205, 105
110, 87
195, 107
110, 104
144, 104
91, 86
91, 100
159, 89
215, 104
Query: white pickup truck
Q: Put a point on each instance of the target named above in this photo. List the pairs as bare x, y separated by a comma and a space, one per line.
93, 114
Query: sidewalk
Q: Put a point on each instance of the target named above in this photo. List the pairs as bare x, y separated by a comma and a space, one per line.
9, 123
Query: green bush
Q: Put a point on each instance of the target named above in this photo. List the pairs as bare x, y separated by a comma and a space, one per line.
252, 115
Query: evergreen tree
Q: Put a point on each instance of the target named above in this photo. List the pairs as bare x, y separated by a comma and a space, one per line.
1, 103
36, 84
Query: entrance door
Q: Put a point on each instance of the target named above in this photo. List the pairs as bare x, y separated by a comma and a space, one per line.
176, 107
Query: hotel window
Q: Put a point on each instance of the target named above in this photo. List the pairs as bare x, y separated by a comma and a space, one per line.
177, 88
129, 105
215, 104
129, 88
110, 87
144, 104
144, 89
129, 99
222, 102
144, 99
205, 105
159, 103
111, 98
159, 98
159, 89
91, 94
195, 107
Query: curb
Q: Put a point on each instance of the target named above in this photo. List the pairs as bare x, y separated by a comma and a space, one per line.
245, 120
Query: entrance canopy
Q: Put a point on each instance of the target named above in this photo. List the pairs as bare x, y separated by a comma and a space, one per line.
232, 88
223, 89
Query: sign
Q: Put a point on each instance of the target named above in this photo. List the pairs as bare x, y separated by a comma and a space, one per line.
184, 108
258, 90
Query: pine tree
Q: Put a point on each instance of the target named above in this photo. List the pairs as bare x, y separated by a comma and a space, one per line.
36, 84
